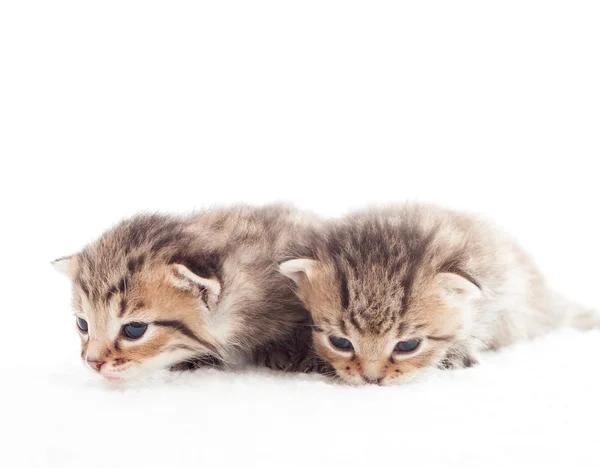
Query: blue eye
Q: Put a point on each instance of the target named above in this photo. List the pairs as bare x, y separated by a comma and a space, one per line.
341, 343
135, 330
407, 346
82, 325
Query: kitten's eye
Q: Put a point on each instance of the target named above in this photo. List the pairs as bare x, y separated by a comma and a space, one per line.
407, 346
134, 330
341, 343
82, 325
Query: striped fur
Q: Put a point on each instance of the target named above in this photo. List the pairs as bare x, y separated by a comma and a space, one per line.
207, 286
452, 281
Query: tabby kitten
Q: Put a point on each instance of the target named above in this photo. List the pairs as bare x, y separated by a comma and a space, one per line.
397, 290
160, 292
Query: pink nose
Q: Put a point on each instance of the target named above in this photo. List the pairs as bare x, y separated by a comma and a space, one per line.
97, 365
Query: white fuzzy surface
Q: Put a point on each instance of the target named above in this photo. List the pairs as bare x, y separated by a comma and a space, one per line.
111, 108
534, 404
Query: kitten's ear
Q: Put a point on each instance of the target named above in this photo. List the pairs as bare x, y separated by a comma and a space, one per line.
456, 289
66, 265
208, 289
298, 269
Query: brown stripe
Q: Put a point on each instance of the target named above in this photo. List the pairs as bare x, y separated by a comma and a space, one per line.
354, 321
134, 264
344, 292
343, 327
119, 288
184, 330
387, 323
416, 244
122, 307
441, 338
84, 288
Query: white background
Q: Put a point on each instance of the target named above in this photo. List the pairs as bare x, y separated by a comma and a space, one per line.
109, 108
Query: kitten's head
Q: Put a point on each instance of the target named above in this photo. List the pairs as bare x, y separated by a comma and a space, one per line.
379, 326
139, 304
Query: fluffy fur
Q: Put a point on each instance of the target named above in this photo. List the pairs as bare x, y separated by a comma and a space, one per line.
206, 287
452, 282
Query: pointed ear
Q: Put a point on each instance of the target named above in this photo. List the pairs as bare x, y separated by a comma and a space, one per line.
298, 269
66, 265
208, 289
457, 289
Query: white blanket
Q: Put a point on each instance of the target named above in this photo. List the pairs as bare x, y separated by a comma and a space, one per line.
534, 404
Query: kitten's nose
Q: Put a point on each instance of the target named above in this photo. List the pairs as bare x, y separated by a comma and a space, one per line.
96, 365
370, 380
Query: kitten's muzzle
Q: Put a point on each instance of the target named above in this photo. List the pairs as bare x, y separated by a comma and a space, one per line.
375, 381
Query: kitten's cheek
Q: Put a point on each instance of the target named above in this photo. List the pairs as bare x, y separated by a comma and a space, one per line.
83, 350
350, 378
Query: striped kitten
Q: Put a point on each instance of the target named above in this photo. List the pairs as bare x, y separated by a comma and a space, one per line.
397, 290
160, 292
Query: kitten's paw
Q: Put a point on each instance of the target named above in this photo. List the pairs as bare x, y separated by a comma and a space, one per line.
454, 360
292, 354
283, 358
272, 357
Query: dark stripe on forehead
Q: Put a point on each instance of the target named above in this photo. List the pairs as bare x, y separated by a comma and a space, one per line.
119, 288
134, 264
122, 286
122, 306
342, 326
386, 327
84, 288
344, 293
184, 330
125, 306
354, 321
386, 323
166, 241
416, 244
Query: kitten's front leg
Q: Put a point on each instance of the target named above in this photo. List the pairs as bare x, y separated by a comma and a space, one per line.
292, 354
196, 363
286, 357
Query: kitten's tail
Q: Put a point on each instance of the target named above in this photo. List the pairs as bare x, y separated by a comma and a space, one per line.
560, 312
579, 317
582, 318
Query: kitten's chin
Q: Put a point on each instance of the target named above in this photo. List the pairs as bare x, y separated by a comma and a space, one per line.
354, 380
121, 376
151, 369
132, 375
113, 378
